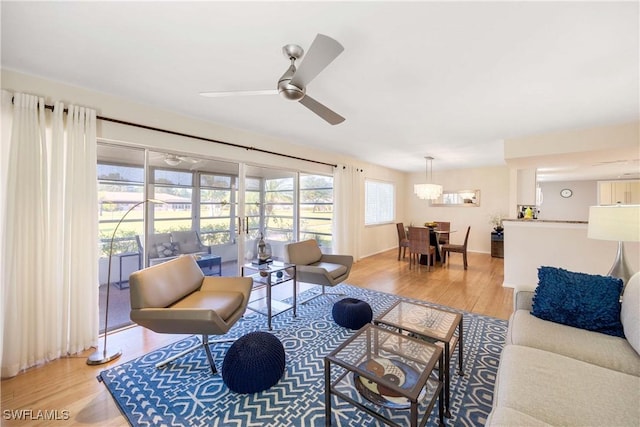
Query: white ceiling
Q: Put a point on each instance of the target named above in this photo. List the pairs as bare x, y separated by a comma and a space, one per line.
448, 79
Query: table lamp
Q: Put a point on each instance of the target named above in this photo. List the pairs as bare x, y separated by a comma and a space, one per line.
99, 357
620, 223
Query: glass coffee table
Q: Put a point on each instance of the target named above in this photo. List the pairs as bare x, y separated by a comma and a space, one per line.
267, 276
381, 372
430, 324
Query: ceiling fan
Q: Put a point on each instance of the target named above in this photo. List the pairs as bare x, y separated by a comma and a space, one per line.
175, 160
293, 83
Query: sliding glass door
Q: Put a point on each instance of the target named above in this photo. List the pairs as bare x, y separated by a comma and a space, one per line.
215, 210
270, 200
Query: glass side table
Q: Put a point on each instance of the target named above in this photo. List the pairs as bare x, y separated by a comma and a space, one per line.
431, 324
377, 367
267, 276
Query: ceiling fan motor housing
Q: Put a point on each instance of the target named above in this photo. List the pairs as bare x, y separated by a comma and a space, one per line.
286, 89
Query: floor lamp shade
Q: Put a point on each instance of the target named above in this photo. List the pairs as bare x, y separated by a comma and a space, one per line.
106, 355
619, 223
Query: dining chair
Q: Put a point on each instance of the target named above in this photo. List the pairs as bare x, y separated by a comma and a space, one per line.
443, 238
419, 244
462, 249
403, 241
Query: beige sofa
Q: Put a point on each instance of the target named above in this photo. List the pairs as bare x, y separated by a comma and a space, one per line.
552, 374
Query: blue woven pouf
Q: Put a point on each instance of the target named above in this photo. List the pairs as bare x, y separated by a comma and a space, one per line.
254, 363
352, 313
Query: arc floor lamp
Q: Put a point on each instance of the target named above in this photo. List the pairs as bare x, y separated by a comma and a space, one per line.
107, 355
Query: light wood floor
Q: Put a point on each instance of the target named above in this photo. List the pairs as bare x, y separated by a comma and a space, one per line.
69, 384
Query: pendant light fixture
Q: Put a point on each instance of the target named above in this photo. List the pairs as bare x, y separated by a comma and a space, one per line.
428, 191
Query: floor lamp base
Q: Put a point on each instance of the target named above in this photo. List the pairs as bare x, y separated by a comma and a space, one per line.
101, 357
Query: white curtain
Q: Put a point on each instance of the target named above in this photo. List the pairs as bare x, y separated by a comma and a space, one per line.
50, 252
348, 182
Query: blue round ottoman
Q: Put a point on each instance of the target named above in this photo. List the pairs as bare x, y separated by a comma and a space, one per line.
255, 362
352, 313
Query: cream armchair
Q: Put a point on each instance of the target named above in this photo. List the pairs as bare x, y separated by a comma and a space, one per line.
315, 267
176, 298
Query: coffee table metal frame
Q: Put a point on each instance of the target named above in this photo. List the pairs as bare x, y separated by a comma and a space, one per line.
372, 342
268, 280
432, 324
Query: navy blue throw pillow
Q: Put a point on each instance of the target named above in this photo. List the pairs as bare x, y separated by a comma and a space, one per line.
585, 301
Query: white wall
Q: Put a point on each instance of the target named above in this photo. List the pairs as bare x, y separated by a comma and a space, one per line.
372, 240
574, 208
531, 244
493, 183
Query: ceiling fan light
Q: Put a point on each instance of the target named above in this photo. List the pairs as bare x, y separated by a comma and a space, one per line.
427, 191
172, 160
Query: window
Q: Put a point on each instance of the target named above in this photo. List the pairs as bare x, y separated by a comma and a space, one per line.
119, 188
278, 209
379, 202
215, 209
252, 200
316, 208
175, 188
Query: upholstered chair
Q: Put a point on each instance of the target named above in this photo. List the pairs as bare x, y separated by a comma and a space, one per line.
174, 297
312, 266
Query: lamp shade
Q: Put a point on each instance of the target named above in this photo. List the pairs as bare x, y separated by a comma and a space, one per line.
427, 191
619, 222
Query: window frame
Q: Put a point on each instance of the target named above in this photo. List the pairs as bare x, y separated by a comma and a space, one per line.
379, 217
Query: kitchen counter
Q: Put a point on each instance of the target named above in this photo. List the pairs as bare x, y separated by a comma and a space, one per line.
546, 220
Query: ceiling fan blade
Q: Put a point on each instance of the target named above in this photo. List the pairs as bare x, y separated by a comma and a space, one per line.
321, 53
239, 93
329, 115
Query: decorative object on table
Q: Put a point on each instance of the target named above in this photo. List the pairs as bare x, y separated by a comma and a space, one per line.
528, 213
496, 221
352, 313
255, 362
430, 224
264, 251
393, 370
619, 223
429, 190
279, 274
106, 355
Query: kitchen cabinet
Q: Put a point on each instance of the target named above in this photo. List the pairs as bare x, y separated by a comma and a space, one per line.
626, 192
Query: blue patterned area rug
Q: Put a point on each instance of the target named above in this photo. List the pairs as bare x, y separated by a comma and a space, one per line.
185, 393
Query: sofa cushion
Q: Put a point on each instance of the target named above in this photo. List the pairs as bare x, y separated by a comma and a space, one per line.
509, 417
630, 312
559, 390
603, 350
334, 270
223, 303
586, 301
167, 249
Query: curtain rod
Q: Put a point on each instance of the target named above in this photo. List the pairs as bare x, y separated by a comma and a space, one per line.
171, 132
